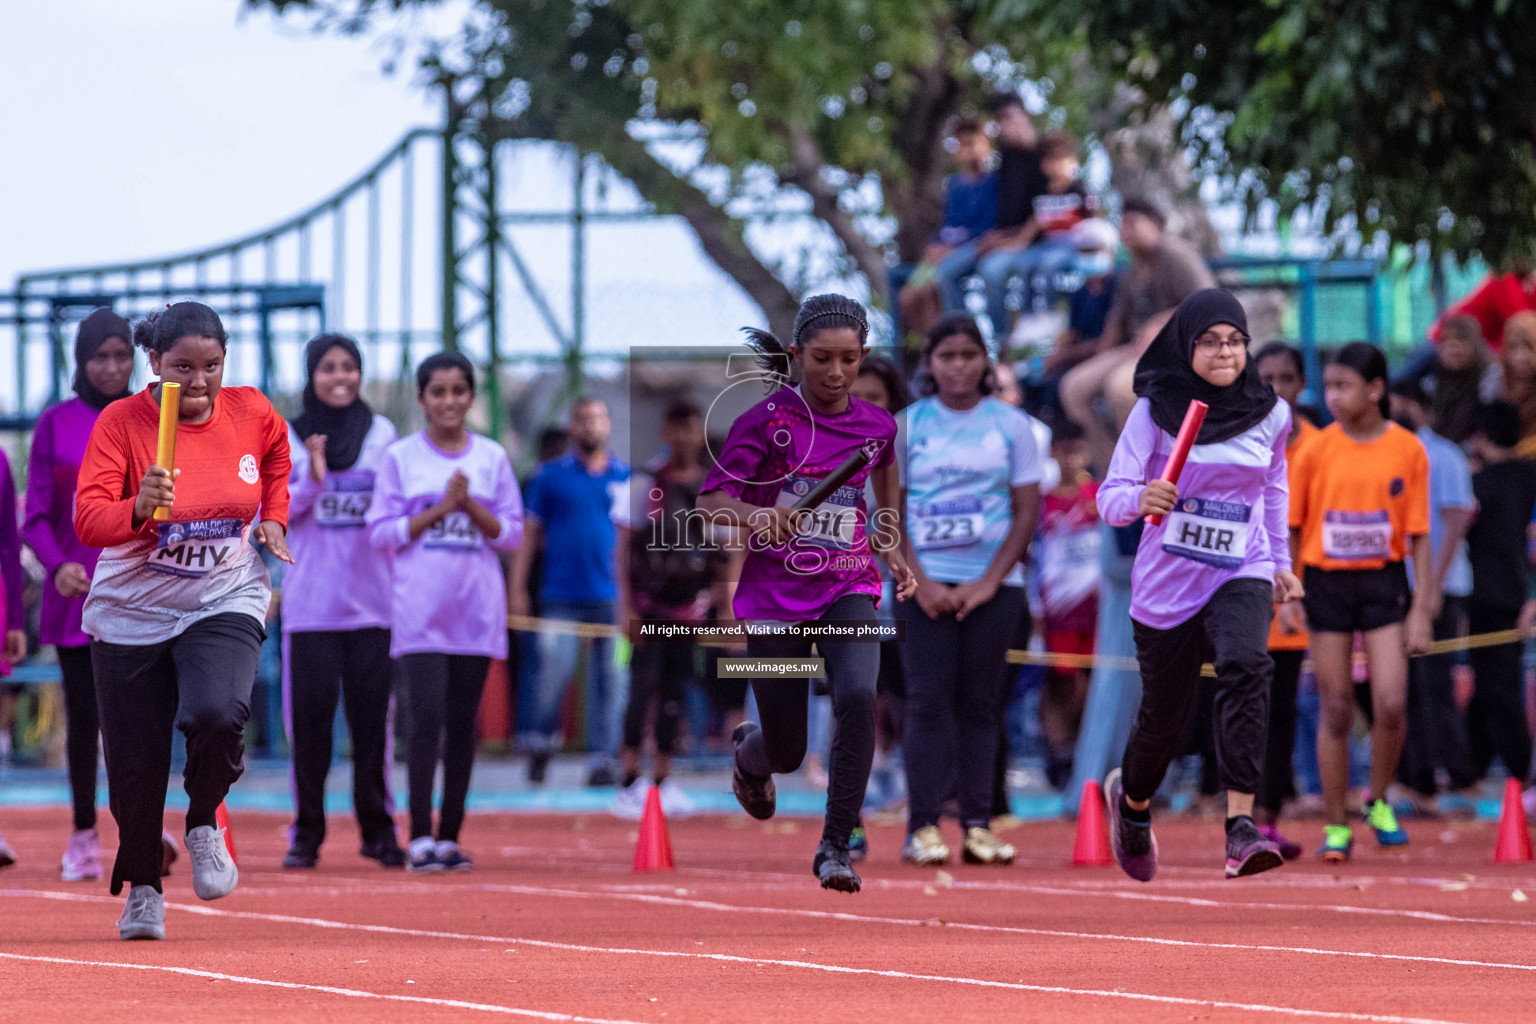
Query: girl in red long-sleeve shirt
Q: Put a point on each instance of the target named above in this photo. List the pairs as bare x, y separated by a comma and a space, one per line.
176, 607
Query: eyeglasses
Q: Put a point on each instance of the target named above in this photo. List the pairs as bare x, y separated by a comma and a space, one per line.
1210, 345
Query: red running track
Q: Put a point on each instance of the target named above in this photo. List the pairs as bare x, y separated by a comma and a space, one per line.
555, 926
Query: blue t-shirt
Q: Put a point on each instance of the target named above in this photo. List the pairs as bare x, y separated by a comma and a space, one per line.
959, 469
1450, 486
575, 509
1088, 310
970, 207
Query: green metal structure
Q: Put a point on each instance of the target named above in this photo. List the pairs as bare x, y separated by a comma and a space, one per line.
273, 296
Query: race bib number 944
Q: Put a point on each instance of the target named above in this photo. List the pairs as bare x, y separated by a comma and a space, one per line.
197, 547
455, 531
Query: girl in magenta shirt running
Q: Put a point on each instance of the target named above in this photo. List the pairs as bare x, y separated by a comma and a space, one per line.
814, 566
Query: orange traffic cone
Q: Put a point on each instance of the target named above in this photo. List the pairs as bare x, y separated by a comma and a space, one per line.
221, 818
654, 850
1514, 845
1091, 847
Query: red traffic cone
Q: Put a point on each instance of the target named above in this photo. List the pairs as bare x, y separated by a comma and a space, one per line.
1091, 848
221, 818
654, 850
1514, 845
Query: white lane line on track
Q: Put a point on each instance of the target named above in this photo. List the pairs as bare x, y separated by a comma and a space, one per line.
833, 915
456, 1004
796, 881
810, 965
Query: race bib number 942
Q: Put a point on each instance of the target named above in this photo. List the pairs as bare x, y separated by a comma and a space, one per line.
197, 547
344, 503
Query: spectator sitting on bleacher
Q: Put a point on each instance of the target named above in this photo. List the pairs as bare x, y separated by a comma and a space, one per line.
1019, 180
1043, 246
1095, 243
1163, 271
970, 211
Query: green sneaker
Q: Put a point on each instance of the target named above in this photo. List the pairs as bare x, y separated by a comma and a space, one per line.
858, 845
1338, 843
1384, 821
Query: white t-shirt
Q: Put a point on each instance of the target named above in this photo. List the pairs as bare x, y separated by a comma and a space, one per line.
958, 469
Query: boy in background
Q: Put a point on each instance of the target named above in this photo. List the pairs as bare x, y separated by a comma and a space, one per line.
970, 211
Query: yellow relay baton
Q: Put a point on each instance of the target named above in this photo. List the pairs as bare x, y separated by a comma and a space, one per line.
165, 450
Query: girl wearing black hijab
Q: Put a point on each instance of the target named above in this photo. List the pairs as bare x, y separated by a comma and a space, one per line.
336, 604
1205, 580
103, 369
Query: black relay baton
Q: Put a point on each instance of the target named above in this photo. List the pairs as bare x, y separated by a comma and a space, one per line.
840, 476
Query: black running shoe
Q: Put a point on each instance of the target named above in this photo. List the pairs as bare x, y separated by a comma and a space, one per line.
834, 869
1133, 843
602, 776
387, 852
538, 766
300, 856
1249, 851
756, 794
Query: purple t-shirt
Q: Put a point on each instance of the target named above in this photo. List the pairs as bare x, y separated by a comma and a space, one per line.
58, 445
777, 451
338, 580
449, 594
1231, 520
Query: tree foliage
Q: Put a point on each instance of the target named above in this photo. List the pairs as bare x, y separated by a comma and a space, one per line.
1410, 118
1416, 117
843, 100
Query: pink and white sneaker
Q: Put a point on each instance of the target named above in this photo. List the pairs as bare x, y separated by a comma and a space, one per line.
82, 858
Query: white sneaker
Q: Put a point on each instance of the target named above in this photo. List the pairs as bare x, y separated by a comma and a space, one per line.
674, 802
629, 802
82, 858
213, 872
7, 855
143, 914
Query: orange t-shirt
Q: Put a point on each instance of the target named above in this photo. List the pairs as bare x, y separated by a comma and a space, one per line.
1279, 641
154, 581
1356, 504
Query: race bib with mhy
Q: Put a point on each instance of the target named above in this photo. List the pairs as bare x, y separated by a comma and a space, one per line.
196, 547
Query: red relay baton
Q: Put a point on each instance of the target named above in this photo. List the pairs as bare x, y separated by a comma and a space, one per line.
1181, 446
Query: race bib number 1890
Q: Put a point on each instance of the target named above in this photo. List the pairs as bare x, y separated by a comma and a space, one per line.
1357, 536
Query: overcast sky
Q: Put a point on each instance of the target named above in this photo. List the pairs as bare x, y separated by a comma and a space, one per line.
132, 129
